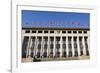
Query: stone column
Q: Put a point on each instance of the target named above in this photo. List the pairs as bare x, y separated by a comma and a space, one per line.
84, 49
30, 44
28, 47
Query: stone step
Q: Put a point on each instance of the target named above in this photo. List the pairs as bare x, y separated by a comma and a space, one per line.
29, 59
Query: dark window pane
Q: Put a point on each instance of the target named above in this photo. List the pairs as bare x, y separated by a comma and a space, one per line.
51, 38
70, 54
64, 46
45, 46
64, 54
51, 46
32, 54
33, 31
27, 31
79, 31
38, 55
74, 31
57, 46
39, 46
45, 54
51, 31
69, 31
45, 31
81, 52
63, 31
85, 32
39, 31
87, 52
69, 46
76, 53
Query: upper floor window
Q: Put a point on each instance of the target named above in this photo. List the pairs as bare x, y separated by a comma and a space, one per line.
85, 32
33, 31
74, 31
40, 31
69, 31
79, 31
46, 31
27, 31
51, 31
63, 31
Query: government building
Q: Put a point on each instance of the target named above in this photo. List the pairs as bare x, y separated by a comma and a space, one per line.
55, 43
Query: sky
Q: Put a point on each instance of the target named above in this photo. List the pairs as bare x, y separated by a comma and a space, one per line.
50, 19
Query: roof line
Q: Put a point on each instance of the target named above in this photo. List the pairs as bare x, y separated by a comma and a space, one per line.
56, 28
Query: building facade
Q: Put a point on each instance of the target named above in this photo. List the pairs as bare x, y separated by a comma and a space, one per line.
51, 36
45, 44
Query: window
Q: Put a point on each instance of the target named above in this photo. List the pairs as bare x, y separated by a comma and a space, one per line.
45, 54
57, 38
85, 32
69, 31
76, 53
64, 54
79, 31
39, 31
27, 31
45, 46
45, 39
63, 31
38, 54
74, 31
45, 31
33, 31
51, 31
70, 54
32, 54
64, 39
51, 46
